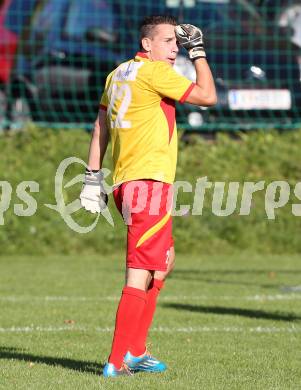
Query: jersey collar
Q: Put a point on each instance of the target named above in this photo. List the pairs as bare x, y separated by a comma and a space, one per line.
141, 56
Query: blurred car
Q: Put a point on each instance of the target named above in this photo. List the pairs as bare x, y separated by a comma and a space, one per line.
69, 46
290, 16
8, 46
67, 50
16, 14
255, 67
286, 14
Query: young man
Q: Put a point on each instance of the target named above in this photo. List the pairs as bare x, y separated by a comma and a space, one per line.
137, 110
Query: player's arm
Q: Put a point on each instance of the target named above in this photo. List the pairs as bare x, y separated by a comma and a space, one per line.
191, 38
93, 196
203, 93
99, 142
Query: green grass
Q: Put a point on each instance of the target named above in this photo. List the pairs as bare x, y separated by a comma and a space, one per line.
222, 323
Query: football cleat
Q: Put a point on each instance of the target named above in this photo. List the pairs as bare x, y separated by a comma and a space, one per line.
110, 370
145, 362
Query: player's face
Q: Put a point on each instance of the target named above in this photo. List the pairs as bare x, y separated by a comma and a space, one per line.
163, 45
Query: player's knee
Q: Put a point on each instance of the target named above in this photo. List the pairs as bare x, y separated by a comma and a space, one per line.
137, 278
162, 275
171, 262
171, 267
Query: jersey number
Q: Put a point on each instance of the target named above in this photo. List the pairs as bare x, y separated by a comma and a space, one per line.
124, 93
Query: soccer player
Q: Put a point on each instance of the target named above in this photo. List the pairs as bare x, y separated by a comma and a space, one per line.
137, 111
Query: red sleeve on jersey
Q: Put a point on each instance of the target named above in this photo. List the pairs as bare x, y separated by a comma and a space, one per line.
168, 107
186, 94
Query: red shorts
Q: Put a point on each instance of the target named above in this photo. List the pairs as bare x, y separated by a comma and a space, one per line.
145, 206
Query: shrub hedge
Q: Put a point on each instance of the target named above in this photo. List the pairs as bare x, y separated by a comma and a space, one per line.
36, 153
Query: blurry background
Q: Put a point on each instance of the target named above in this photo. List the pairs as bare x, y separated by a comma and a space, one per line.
229, 317
55, 55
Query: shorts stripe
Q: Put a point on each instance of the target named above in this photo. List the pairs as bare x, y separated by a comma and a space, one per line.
153, 230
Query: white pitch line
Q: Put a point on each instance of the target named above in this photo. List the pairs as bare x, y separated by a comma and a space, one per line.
56, 299
36, 329
276, 297
255, 298
198, 329
229, 329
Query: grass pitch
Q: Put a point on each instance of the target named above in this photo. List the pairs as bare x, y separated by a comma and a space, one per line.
223, 322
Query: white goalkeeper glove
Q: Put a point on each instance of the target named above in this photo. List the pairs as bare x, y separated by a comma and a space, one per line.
93, 196
191, 38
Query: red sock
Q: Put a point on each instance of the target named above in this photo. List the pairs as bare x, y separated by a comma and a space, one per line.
128, 316
137, 347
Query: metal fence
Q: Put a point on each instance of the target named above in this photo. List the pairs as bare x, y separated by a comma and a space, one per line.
55, 55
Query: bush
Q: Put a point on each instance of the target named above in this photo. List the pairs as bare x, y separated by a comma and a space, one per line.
36, 154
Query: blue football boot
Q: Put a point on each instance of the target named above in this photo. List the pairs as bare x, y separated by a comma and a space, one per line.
145, 362
110, 370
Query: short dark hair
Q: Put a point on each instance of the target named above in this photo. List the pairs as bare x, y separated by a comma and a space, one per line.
150, 22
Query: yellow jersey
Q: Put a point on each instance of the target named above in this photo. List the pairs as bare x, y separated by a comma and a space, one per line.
139, 98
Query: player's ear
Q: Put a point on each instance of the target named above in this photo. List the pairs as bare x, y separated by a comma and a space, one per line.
146, 43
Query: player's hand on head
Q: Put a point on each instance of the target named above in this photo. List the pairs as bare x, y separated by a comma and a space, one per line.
93, 196
191, 38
